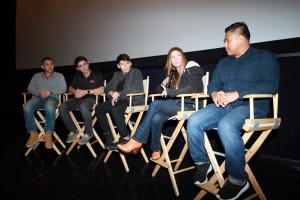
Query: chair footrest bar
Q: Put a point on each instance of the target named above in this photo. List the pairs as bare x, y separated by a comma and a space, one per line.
184, 169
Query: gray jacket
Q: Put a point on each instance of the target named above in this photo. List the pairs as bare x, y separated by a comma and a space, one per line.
133, 83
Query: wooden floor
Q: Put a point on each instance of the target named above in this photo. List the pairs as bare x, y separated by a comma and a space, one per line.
45, 175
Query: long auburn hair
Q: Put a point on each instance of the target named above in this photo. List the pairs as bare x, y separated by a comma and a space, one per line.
176, 76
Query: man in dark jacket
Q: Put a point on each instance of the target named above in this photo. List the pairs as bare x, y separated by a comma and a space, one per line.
127, 80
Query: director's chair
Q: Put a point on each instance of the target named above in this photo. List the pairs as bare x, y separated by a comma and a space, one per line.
133, 125
81, 127
40, 122
257, 129
168, 141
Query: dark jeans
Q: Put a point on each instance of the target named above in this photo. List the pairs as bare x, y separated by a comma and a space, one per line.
85, 106
117, 114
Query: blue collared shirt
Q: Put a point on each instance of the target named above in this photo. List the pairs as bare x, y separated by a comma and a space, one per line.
255, 72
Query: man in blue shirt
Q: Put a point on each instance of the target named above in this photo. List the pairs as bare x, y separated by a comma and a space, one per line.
245, 70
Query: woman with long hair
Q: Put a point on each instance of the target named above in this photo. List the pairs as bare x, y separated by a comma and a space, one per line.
181, 77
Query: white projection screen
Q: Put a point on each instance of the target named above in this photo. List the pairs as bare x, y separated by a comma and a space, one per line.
100, 30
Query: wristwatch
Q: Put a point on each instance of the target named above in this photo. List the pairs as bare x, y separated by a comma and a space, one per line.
89, 91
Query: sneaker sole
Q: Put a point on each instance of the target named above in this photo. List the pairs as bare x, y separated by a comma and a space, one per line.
70, 141
49, 147
239, 194
209, 170
83, 143
29, 146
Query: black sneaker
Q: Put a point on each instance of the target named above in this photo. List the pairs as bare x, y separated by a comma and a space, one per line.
109, 139
202, 170
232, 191
122, 140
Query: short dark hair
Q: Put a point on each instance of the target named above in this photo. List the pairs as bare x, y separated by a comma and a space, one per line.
123, 57
242, 27
79, 59
46, 58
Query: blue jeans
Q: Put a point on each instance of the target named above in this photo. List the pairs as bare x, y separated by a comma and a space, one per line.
49, 104
85, 106
229, 122
158, 113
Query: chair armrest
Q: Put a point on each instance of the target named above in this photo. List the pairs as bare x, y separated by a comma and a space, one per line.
152, 96
130, 95
100, 95
25, 97
251, 98
27, 94
248, 96
135, 94
198, 96
182, 96
66, 96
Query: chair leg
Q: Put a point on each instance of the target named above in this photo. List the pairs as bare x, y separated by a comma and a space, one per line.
217, 180
81, 133
42, 134
166, 162
254, 183
170, 169
59, 140
116, 136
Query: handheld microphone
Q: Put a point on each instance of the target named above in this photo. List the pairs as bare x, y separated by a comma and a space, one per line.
173, 69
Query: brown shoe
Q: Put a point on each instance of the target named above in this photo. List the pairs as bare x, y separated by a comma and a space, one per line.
32, 139
130, 147
155, 155
48, 140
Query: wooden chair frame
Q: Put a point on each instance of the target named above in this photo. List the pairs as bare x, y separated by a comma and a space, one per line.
260, 126
81, 127
129, 112
182, 116
40, 121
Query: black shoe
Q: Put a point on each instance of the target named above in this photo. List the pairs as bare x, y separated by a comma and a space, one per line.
122, 140
232, 191
112, 146
109, 139
202, 170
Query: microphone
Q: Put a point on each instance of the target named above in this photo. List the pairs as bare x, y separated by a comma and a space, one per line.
173, 69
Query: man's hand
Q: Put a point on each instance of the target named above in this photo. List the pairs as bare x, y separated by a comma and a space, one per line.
44, 93
224, 98
114, 97
79, 93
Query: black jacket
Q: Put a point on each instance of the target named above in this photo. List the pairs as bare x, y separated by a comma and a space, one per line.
190, 82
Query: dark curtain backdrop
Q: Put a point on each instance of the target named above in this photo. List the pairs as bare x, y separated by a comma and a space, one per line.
283, 144
7, 37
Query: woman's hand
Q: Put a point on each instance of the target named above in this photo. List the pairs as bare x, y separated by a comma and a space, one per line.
165, 81
164, 93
